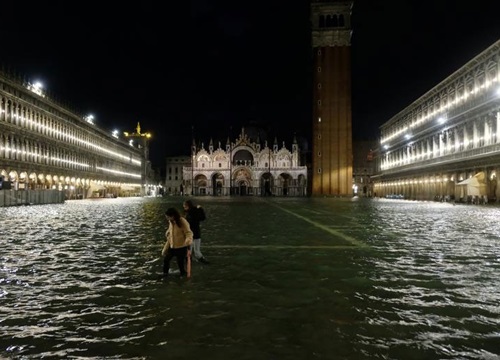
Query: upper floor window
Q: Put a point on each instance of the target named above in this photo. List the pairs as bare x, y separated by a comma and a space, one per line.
341, 20
332, 21
322, 21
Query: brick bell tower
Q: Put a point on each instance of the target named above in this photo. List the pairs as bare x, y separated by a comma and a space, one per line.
332, 120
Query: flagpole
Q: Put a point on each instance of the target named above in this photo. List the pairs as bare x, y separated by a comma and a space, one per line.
269, 169
192, 159
230, 163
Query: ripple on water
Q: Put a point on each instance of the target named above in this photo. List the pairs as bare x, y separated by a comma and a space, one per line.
80, 280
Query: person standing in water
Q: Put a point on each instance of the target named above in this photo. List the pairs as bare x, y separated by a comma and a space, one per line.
179, 238
194, 215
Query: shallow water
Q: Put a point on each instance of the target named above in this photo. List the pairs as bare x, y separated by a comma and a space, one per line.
288, 279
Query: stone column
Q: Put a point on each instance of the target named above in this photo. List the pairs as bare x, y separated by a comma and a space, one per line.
495, 186
497, 130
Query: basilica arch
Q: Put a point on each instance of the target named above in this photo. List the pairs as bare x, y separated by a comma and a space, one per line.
266, 184
284, 182
201, 185
243, 181
217, 184
243, 157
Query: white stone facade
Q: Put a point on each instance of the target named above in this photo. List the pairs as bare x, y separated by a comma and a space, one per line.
448, 135
45, 146
243, 167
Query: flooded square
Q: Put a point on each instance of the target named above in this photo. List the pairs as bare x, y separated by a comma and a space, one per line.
289, 278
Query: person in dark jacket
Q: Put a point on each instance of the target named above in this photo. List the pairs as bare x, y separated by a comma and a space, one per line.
194, 215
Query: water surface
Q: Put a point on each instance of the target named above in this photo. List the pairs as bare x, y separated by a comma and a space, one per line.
288, 279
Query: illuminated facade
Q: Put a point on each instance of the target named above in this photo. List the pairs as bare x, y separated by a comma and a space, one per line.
332, 156
174, 182
363, 167
446, 144
245, 168
45, 146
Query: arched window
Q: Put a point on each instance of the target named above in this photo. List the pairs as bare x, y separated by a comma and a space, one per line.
332, 21
328, 21
335, 21
322, 21
341, 20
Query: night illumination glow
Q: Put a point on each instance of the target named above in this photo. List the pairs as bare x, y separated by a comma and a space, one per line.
36, 88
458, 100
89, 118
67, 136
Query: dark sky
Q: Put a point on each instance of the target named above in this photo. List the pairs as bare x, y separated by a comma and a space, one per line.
220, 65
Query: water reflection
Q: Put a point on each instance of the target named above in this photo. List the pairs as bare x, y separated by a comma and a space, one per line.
289, 279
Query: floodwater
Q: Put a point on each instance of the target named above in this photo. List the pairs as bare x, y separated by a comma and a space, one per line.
289, 278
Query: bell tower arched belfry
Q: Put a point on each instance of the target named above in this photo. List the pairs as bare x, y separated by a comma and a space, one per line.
332, 119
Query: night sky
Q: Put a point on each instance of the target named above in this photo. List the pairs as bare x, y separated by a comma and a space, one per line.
215, 66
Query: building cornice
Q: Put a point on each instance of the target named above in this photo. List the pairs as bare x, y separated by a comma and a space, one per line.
328, 38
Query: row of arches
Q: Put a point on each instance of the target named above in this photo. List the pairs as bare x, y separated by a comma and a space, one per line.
445, 186
482, 132
328, 21
74, 187
243, 184
68, 131
472, 84
244, 157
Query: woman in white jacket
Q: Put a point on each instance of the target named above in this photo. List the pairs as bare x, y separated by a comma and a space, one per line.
179, 238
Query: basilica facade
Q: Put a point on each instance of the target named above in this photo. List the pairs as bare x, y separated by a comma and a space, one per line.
245, 167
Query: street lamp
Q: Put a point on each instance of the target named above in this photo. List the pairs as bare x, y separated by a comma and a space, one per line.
193, 154
145, 137
230, 161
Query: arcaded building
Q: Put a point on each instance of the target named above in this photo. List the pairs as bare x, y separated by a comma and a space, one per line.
446, 144
245, 166
44, 145
332, 158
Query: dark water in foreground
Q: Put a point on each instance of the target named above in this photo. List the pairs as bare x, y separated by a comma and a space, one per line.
288, 279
